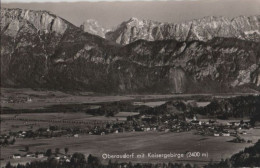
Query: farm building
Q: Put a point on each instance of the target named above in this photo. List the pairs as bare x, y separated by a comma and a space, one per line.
196, 122
30, 154
226, 134
40, 155
16, 156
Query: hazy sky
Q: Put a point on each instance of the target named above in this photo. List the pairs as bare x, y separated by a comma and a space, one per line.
110, 14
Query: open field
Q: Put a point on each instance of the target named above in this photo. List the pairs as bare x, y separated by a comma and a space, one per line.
139, 142
68, 116
32, 99
130, 142
31, 120
42, 99
65, 116
150, 104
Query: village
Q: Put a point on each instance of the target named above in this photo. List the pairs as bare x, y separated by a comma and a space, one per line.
138, 123
110, 120
57, 155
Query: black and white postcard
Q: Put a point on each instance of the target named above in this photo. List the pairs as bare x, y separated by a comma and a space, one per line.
130, 84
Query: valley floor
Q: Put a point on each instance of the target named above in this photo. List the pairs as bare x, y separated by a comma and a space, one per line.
137, 143
216, 148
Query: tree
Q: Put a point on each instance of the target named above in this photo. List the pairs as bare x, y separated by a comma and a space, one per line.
57, 150
8, 165
5, 141
13, 141
93, 161
48, 153
26, 148
188, 166
19, 166
53, 162
78, 159
110, 165
66, 150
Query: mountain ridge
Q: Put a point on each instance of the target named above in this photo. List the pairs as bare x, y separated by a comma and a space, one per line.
202, 29
77, 60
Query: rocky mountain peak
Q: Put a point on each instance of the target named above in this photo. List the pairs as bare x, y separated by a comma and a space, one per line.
203, 29
43, 21
92, 26
133, 19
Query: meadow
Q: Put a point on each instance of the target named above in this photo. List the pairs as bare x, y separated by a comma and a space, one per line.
139, 142
40, 99
127, 142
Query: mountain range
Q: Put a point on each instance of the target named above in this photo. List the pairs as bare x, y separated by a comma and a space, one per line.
42, 50
204, 29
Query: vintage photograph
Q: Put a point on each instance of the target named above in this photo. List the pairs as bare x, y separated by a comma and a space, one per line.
130, 84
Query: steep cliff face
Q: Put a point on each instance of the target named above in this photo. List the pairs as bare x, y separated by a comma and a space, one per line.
247, 28
92, 26
219, 64
42, 21
28, 39
47, 26
37, 53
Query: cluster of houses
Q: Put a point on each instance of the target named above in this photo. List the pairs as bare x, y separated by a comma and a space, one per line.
215, 128
47, 133
17, 99
169, 123
143, 123
39, 155
28, 155
4, 136
6, 140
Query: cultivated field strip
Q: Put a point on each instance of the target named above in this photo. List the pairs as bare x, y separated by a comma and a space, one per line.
92, 123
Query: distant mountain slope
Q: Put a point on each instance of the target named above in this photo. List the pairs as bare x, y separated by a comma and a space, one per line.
247, 28
28, 38
42, 50
29, 42
91, 26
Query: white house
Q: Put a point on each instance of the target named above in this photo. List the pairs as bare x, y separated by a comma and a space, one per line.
57, 157
228, 123
30, 155
147, 129
16, 156
244, 133
225, 134
40, 155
